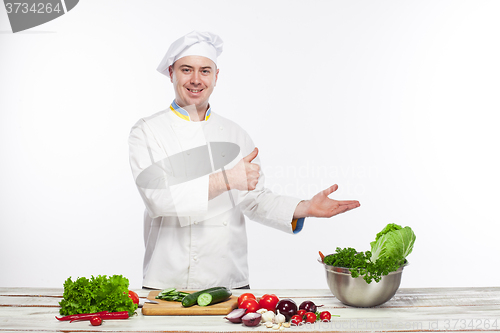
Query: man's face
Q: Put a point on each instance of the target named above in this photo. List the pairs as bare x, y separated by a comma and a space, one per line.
194, 79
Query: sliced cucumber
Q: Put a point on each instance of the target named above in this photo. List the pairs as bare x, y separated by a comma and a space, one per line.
172, 298
171, 294
192, 298
214, 296
166, 291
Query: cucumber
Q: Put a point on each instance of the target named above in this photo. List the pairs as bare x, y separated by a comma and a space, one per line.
192, 298
214, 296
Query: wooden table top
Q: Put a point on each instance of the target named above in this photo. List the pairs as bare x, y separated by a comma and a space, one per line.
410, 310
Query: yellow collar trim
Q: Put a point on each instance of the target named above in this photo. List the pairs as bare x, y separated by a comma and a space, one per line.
183, 114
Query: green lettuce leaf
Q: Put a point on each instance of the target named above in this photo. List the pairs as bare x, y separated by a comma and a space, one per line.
96, 294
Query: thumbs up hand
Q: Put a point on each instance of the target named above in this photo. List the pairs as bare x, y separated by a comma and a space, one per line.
250, 157
245, 175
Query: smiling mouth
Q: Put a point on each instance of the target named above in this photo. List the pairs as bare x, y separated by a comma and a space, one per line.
195, 90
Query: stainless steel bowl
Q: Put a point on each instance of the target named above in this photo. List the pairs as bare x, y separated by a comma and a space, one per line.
356, 292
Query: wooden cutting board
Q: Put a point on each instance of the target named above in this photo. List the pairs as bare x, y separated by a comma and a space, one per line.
166, 308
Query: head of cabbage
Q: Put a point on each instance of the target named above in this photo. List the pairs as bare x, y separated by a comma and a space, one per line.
393, 243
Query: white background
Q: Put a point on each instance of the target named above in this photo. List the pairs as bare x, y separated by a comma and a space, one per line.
395, 101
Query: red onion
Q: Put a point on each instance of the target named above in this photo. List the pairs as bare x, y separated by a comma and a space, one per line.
251, 319
236, 315
309, 306
287, 308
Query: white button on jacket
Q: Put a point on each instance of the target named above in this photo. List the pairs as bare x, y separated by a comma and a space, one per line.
212, 252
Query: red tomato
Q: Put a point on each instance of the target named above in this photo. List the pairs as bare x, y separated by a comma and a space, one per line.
250, 304
325, 316
297, 320
301, 312
96, 321
268, 302
133, 296
244, 297
310, 317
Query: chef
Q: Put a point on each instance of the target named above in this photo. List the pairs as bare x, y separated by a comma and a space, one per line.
199, 174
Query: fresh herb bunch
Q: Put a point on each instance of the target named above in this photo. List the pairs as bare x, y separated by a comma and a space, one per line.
348, 258
96, 294
359, 264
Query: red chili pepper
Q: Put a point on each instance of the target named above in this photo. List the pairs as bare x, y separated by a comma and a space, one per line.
82, 316
115, 315
105, 315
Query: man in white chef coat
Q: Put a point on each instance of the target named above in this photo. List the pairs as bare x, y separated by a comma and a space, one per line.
199, 174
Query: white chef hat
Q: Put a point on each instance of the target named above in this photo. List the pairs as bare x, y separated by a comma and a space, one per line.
204, 44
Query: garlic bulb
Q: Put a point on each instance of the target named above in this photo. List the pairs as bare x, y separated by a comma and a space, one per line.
279, 318
262, 311
268, 316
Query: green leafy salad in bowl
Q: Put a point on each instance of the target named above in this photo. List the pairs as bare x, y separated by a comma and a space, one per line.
388, 253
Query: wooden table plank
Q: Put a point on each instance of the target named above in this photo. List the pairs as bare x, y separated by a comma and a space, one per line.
350, 319
55, 292
403, 298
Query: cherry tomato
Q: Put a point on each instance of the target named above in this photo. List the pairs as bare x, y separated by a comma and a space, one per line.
133, 296
297, 320
268, 302
245, 297
301, 312
96, 321
310, 317
250, 304
325, 316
